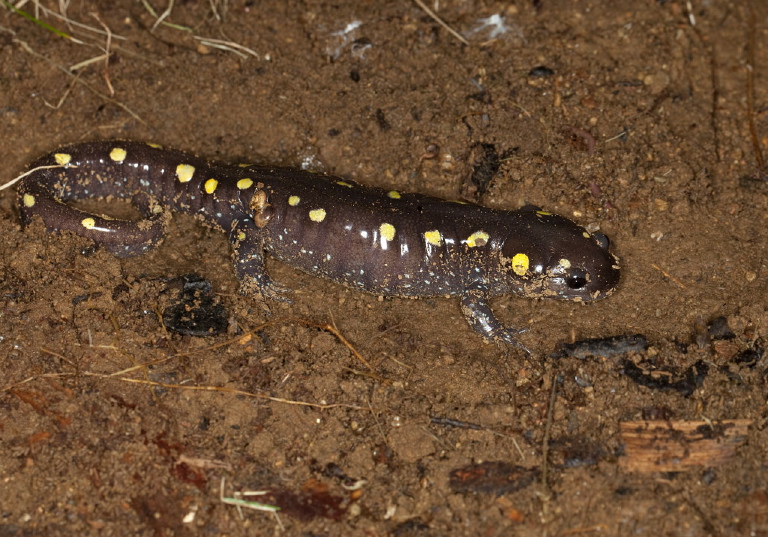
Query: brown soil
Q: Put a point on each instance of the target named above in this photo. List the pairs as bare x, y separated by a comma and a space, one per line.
111, 425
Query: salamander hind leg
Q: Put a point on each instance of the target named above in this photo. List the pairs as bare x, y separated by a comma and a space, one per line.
477, 311
248, 254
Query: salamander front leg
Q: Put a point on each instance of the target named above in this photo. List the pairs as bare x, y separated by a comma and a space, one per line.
248, 247
477, 311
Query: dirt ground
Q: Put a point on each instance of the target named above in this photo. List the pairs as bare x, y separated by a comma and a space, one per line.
641, 119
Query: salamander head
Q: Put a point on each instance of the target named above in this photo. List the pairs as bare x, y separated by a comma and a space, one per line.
559, 259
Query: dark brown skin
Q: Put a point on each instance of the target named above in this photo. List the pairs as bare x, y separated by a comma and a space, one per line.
383, 242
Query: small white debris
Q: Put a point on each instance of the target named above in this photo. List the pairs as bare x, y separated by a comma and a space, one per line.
190, 517
496, 25
348, 29
343, 37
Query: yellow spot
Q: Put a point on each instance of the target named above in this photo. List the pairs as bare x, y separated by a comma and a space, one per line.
520, 264
317, 215
586, 235
543, 213
154, 146
478, 238
241, 236
344, 183
433, 237
29, 200
293, 201
88, 223
210, 186
394, 194
118, 154
242, 184
387, 231
157, 209
243, 165
62, 159
566, 264
185, 172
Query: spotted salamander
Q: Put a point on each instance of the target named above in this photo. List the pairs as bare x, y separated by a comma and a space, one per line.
381, 241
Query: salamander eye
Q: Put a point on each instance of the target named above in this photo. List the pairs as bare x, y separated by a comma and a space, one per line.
602, 241
576, 279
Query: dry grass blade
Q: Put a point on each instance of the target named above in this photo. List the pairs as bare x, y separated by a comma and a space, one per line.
219, 9
107, 48
205, 388
23, 175
228, 46
40, 23
41, 11
121, 375
24, 45
441, 22
164, 15
224, 389
221, 44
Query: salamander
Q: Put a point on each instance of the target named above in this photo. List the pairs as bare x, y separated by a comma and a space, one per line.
381, 241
